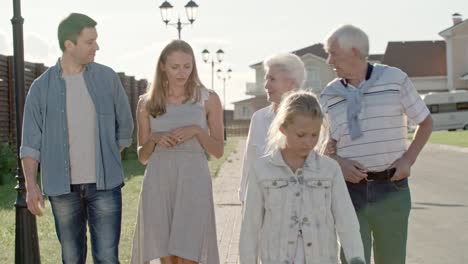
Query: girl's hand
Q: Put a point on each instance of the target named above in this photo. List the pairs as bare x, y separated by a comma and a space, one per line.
183, 134
164, 139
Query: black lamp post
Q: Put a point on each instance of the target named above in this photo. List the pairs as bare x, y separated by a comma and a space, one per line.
224, 75
190, 10
207, 58
26, 241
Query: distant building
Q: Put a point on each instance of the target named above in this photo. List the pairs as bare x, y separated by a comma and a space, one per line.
243, 110
456, 38
318, 74
423, 61
318, 71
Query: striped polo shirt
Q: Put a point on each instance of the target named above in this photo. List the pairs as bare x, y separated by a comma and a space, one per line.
386, 105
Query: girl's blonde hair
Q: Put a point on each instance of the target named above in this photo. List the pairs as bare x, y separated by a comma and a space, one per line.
158, 91
293, 104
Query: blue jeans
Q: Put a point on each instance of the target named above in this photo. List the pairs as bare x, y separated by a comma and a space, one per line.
382, 208
102, 210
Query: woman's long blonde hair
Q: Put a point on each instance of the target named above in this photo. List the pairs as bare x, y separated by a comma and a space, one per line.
158, 91
293, 104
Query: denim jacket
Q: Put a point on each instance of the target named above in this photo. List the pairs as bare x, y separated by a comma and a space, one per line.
281, 204
45, 131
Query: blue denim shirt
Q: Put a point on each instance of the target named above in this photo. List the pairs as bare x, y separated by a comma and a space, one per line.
45, 131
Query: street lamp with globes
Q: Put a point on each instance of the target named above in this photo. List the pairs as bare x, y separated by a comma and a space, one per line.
224, 75
191, 9
208, 58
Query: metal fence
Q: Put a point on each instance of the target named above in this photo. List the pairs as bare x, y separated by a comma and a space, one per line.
237, 128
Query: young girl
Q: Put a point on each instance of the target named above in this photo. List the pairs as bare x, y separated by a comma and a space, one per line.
178, 120
297, 201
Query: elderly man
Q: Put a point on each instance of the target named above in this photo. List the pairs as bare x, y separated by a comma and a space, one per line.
367, 108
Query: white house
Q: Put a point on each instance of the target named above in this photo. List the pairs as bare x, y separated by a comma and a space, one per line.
456, 38
319, 74
434, 66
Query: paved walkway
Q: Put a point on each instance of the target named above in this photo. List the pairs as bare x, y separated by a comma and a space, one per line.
227, 205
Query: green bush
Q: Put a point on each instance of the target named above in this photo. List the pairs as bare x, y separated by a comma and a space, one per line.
7, 161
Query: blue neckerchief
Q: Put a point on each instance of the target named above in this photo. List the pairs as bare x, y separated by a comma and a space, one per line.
354, 97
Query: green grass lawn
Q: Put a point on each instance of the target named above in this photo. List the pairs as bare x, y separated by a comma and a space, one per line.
48, 243
454, 138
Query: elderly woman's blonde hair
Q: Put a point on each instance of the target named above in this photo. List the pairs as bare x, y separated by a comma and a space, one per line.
293, 104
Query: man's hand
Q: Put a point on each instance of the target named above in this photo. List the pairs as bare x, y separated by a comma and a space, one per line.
330, 148
34, 199
164, 139
352, 170
183, 134
403, 169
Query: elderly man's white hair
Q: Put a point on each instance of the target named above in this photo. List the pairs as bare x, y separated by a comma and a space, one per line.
291, 64
349, 36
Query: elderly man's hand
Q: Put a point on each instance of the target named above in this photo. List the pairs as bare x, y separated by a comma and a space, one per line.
352, 170
403, 169
330, 148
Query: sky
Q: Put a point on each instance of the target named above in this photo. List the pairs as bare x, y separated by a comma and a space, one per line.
132, 34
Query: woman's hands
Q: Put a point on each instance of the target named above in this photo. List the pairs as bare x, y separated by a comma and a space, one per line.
165, 139
183, 134
175, 137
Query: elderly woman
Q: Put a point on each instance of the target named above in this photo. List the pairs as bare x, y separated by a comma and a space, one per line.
284, 72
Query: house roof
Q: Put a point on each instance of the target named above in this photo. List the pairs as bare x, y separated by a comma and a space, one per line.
453, 26
316, 49
417, 58
376, 57
252, 99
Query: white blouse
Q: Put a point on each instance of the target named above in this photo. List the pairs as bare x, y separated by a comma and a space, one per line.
256, 143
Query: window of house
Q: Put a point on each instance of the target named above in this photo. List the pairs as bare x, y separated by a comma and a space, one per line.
245, 111
313, 82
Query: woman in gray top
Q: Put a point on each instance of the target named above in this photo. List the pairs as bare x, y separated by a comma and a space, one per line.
178, 120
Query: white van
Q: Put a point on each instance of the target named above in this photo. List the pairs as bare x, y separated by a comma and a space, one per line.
449, 110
